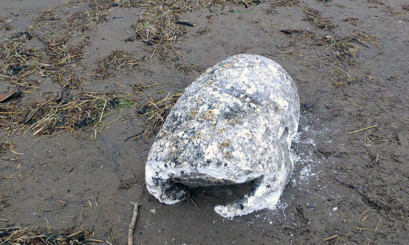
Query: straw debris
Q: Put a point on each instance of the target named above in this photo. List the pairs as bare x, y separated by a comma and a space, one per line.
5, 24
3, 149
158, 24
313, 16
60, 32
342, 48
67, 113
117, 61
352, 20
186, 68
35, 236
156, 111
283, 3
346, 48
341, 77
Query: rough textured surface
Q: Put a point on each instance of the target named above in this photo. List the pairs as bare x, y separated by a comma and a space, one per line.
232, 125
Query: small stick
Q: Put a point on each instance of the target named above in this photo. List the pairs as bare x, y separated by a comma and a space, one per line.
353, 103
133, 222
379, 224
59, 97
11, 12
102, 113
363, 129
363, 44
330, 238
94, 240
134, 136
193, 202
185, 23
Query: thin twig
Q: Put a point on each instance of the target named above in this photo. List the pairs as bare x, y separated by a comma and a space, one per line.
133, 222
193, 202
11, 12
379, 224
330, 238
135, 136
102, 112
59, 97
185, 23
363, 129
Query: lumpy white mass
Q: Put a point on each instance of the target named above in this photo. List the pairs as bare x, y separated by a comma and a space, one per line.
232, 125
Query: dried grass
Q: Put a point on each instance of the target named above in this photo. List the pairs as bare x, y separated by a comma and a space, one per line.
313, 16
283, 3
3, 149
346, 48
186, 68
158, 24
156, 111
18, 61
60, 33
34, 236
364, 38
117, 61
341, 48
352, 20
68, 114
5, 24
341, 77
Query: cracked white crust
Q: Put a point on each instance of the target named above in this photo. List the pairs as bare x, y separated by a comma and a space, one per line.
233, 124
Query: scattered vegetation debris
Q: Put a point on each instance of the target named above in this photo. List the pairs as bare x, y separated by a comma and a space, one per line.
18, 61
95, 12
343, 49
5, 24
352, 20
375, 2
156, 112
3, 149
138, 88
64, 113
47, 15
61, 33
340, 77
186, 68
363, 38
116, 62
283, 3
313, 16
160, 23
35, 236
